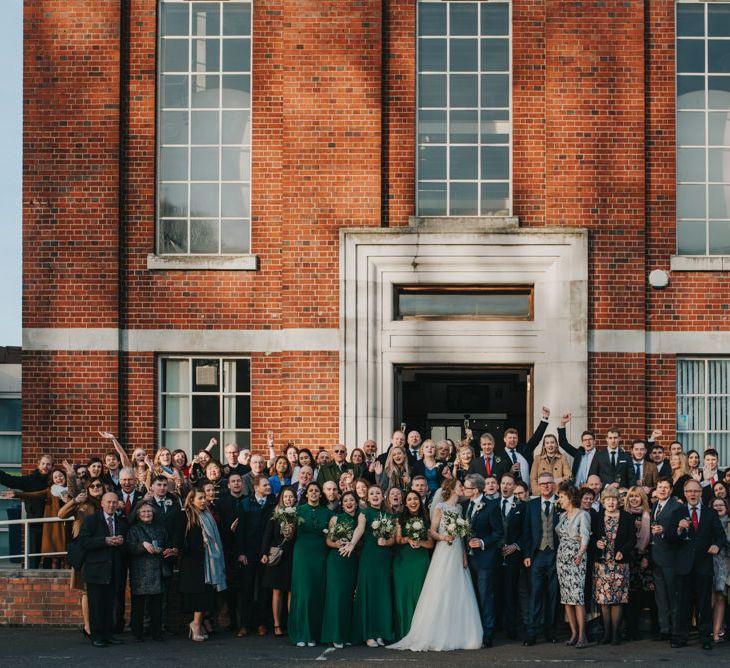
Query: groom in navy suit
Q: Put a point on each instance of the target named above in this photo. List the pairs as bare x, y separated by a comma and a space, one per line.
487, 533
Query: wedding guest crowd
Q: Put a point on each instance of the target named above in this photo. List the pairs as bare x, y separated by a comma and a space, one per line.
331, 548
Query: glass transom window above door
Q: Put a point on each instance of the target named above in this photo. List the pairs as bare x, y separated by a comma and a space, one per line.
463, 115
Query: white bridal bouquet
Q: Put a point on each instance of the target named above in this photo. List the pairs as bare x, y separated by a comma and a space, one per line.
415, 529
285, 516
383, 526
341, 531
455, 525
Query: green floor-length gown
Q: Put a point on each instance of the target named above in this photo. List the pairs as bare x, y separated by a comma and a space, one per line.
339, 592
409, 571
308, 573
373, 613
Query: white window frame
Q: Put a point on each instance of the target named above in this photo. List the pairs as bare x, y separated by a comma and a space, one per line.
190, 260
706, 395
162, 393
707, 260
479, 109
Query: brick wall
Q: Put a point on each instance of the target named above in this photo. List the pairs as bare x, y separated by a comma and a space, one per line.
38, 598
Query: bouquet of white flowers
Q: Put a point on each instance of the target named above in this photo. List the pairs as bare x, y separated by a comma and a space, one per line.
415, 529
340, 531
285, 516
455, 525
383, 527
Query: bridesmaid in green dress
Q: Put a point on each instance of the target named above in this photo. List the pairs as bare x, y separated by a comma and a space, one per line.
308, 571
341, 578
411, 562
373, 613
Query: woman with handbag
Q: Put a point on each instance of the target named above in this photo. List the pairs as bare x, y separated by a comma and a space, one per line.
277, 549
308, 573
148, 546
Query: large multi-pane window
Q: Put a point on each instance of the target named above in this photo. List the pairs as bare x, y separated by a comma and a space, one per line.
703, 128
9, 456
204, 128
703, 405
203, 398
463, 120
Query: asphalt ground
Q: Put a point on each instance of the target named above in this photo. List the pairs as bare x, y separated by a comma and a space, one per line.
51, 648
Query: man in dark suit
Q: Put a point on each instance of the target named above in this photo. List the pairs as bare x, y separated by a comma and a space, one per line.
512, 512
582, 455
539, 548
414, 441
488, 463
520, 454
336, 467
33, 482
254, 605
129, 498
663, 549
613, 465
306, 475
102, 539
230, 505
699, 536
486, 531
167, 510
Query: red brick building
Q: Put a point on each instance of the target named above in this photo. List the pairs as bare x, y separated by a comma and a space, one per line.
328, 217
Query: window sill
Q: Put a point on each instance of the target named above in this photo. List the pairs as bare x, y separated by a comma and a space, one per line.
450, 224
203, 262
699, 263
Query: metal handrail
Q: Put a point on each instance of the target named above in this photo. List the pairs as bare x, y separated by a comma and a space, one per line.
27, 554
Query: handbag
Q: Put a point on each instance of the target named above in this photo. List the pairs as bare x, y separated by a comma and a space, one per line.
276, 552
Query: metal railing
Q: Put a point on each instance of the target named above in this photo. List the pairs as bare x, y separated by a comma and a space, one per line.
27, 554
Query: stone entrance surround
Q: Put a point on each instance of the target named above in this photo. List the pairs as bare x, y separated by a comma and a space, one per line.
451, 252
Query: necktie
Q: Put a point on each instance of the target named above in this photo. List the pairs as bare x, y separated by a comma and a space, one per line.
300, 491
488, 465
110, 524
470, 511
504, 507
514, 456
262, 502
695, 519
659, 509
127, 505
638, 471
547, 508
613, 459
161, 505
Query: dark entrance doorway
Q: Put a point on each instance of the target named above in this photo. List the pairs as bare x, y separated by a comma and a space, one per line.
437, 400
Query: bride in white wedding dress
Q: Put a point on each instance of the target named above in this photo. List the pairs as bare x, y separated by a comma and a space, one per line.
447, 615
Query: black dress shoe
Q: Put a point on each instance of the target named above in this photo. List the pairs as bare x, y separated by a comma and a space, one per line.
99, 643
676, 644
661, 637
114, 641
706, 644
529, 641
487, 642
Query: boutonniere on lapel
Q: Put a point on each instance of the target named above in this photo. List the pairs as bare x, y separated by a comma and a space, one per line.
497, 460
477, 508
168, 502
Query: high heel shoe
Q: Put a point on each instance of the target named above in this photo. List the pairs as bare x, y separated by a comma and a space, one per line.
195, 634
87, 635
278, 632
572, 641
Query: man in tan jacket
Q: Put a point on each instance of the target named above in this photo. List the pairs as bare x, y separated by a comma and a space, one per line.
644, 473
550, 460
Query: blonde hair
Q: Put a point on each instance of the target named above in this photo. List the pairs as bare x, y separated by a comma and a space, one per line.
191, 512
637, 491
683, 466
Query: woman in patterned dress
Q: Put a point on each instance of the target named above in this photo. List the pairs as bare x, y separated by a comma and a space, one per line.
613, 537
574, 531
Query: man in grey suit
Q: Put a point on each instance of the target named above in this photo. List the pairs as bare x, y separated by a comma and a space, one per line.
663, 522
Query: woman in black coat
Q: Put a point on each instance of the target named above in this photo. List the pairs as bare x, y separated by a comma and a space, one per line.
148, 547
278, 577
200, 544
613, 536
